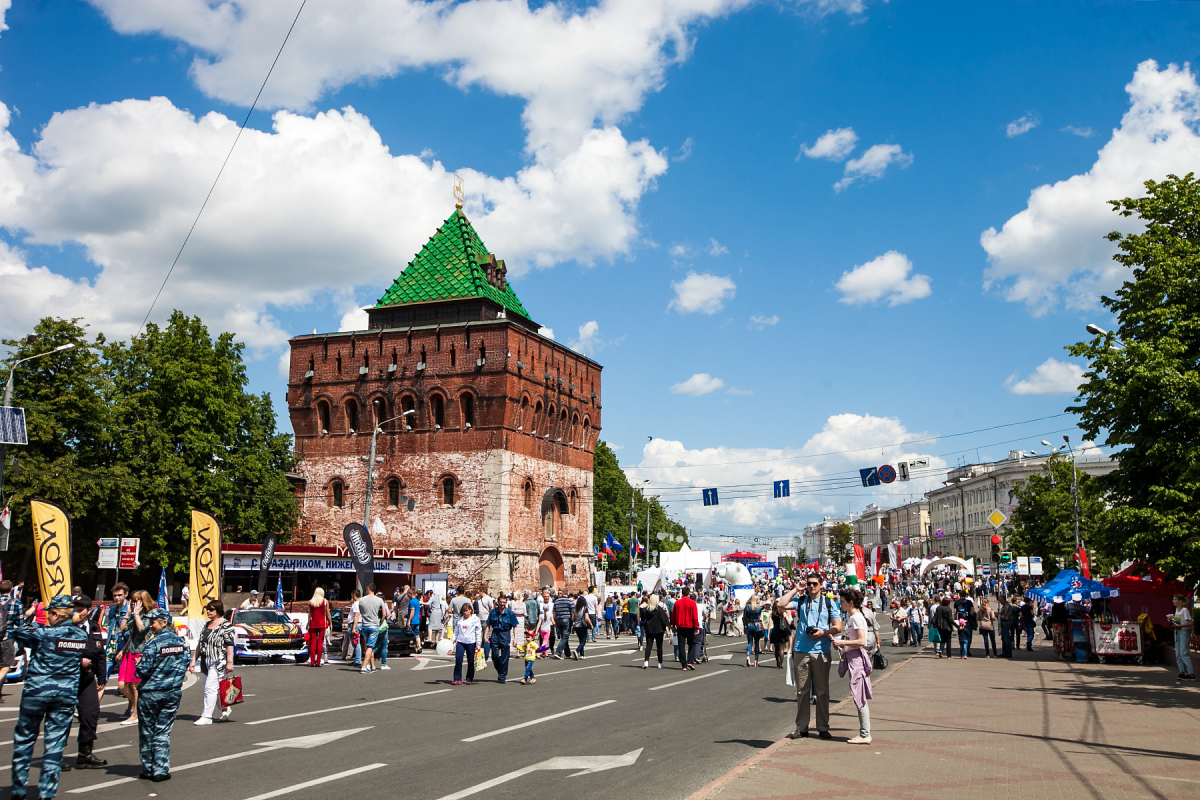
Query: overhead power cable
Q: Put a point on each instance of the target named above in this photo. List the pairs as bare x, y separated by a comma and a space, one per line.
222, 169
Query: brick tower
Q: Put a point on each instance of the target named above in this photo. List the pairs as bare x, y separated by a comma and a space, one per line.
488, 428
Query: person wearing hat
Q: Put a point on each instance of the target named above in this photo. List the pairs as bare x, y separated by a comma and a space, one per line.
92, 674
161, 670
251, 601
51, 692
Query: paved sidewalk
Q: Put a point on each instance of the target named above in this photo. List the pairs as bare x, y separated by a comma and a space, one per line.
991, 728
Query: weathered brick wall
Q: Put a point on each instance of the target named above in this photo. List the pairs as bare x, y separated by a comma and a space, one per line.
490, 535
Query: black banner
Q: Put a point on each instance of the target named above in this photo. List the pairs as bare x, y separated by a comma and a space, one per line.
264, 562
358, 542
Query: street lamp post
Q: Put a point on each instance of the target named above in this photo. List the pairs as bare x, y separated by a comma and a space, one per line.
8, 395
376, 429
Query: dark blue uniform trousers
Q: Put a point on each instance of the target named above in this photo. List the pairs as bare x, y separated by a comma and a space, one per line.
500, 655
57, 711
156, 717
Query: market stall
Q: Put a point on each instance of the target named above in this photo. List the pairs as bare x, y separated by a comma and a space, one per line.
1099, 633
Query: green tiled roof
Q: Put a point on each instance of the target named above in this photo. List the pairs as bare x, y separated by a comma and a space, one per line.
451, 265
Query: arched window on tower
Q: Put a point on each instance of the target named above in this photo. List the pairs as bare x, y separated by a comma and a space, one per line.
378, 410
536, 420
323, 416
393, 489
351, 416
467, 404
523, 413
528, 493
407, 403
573, 502
337, 491
448, 492
437, 410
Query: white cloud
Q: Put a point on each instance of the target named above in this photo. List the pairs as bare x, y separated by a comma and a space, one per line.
834, 145
1022, 125
678, 251
715, 248
1051, 377
739, 392
873, 163
1054, 251
699, 384
761, 321
702, 292
547, 332
1084, 132
845, 443
887, 276
4, 6
589, 342
355, 319
685, 150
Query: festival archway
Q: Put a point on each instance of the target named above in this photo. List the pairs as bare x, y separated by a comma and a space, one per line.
967, 564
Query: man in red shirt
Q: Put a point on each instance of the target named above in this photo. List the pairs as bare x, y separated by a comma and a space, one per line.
686, 621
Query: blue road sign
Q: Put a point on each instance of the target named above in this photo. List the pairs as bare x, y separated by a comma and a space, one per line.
870, 476
12, 426
710, 497
887, 473
783, 489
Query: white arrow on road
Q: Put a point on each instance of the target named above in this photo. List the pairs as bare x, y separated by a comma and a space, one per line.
315, 740
424, 663
585, 764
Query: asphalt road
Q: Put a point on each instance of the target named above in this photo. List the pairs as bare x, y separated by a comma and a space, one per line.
333, 732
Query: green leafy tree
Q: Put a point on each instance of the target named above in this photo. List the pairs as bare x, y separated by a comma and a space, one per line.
1044, 521
71, 459
195, 439
1142, 387
840, 536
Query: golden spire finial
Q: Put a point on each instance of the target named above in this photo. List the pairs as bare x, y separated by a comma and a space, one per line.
458, 191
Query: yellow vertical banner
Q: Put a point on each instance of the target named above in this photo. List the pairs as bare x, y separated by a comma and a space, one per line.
204, 584
52, 541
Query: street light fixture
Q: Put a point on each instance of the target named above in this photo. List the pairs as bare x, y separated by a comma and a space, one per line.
8, 394
378, 428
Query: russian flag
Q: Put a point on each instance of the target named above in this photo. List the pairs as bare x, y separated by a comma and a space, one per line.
638, 547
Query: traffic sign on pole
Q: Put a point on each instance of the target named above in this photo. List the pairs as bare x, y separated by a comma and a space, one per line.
939, 533
887, 473
870, 476
710, 497
902, 470
783, 489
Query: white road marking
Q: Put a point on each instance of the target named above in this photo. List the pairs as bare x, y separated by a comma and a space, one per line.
722, 657
585, 764
575, 669
313, 740
538, 721
688, 680
342, 708
423, 663
180, 768
315, 782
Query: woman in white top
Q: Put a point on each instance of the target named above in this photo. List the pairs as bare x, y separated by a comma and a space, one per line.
856, 660
467, 633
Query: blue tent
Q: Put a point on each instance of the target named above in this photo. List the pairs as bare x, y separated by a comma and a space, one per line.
1069, 585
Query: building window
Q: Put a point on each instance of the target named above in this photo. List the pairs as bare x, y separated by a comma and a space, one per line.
351, 416
522, 413
339, 363
537, 415
437, 410
528, 493
378, 410
447, 492
573, 502
323, 416
393, 487
408, 404
453, 356
468, 410
337, 494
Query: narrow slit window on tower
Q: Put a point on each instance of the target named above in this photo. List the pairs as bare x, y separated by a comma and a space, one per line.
337, 494
351, 416
393, 492
468, 411
339, 363
408, 404
528, 499
323, 416
448, 492
438, 411
379, 410
453, 357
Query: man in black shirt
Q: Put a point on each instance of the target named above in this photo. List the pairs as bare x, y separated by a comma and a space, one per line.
964, 609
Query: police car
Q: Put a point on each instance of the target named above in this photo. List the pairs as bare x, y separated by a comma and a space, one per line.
265, 633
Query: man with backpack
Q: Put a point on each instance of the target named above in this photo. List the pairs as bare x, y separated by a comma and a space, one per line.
964, 609
818, 619
11, 612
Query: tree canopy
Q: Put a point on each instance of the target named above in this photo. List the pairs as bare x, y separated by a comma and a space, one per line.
611, 511
1142, 387
1044, 520
130, 436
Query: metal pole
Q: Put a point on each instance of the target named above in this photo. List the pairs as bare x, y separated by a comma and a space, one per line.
370, 479
632, 555
8, 395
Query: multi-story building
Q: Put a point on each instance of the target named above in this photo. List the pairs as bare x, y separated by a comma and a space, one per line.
871, 528
909, 525
960, 508
487, 428
815, 538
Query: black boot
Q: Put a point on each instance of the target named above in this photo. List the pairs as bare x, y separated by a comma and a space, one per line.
89, 761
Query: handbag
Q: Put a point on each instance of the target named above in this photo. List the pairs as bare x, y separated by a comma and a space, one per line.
788, 677
230, 692
878, 661
935, 636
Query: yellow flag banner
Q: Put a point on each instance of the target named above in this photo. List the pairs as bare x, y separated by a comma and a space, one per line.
206, 564
52, 541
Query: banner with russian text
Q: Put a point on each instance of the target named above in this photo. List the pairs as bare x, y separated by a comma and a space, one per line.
52, 541
205, 571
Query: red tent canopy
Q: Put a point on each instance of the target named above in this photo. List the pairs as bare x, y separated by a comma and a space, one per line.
743, 556
1151, 580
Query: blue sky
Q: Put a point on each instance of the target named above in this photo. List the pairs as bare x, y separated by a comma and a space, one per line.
655, 175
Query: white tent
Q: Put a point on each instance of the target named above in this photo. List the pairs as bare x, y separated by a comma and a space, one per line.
968, 564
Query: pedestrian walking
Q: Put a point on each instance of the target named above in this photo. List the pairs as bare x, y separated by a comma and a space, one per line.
564, 613
987, 627
437, 617
51, 693
92, 673
610, 618
500, 624
136, 630
1007, 618
943, 621
318, 626
1181, 624
686, 621
12, 612
781, 634
654, 622
408, 615
817, 620
214, 654
161, 668
855, 660
916, 618
593, 609
752, 624
351, 641
529, 654
467, 633
581, 621
1026, 611
370, 611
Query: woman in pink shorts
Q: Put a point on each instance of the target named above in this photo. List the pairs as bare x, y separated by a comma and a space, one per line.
137, 629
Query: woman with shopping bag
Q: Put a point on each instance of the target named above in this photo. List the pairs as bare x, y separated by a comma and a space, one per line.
215, 654
467, 633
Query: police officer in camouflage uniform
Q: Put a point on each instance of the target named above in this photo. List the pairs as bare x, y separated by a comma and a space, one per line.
51, 692
161, 670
